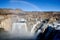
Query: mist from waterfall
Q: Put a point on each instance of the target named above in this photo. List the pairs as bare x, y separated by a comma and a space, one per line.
19, 29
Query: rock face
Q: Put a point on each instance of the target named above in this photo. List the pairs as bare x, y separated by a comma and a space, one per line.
11, 16
10, 11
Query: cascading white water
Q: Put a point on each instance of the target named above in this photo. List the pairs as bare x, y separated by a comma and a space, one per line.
20, 28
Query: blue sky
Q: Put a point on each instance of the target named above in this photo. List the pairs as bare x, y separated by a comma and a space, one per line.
31, 5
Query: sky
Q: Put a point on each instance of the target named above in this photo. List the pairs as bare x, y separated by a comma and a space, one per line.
31, 5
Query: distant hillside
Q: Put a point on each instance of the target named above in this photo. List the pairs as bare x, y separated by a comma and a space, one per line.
10, 11
33, 13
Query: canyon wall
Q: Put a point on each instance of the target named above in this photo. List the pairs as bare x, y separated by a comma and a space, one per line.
10, 16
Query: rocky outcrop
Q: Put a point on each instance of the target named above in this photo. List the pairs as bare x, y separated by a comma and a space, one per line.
8, 16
